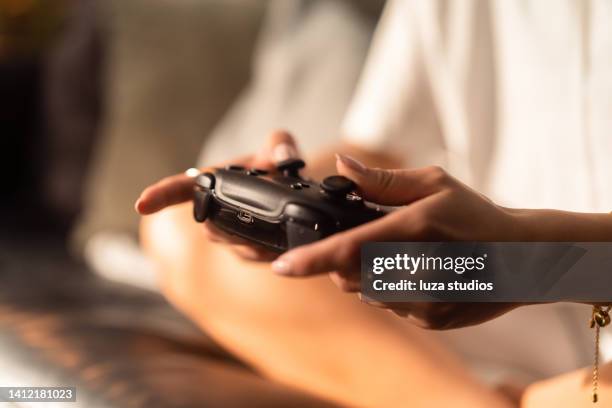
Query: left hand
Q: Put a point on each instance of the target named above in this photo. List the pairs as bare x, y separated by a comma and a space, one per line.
279, 146
437, 207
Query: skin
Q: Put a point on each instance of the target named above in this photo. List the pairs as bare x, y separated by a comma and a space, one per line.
305, 334
436, 207
301, 333
571, 390
194, 261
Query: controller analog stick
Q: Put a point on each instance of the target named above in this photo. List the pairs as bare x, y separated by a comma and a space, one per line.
338, 186
290, 167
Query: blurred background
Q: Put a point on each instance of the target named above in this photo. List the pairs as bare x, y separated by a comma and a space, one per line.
97, 100
27, 31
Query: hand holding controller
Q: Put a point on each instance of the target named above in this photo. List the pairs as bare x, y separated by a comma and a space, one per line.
282, 210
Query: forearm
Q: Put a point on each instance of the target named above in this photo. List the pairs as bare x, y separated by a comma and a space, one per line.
555, 225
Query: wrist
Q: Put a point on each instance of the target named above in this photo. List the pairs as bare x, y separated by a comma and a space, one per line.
525, 225
555, 225
521, 225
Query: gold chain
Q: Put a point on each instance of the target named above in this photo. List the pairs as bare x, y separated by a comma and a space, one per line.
600, 317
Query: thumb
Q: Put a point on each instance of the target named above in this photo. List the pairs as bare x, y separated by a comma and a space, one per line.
392, 187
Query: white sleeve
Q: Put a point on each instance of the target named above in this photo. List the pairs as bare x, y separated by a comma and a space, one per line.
392, 107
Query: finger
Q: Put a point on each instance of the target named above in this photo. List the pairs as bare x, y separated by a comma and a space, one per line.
392, 187
280, 145
341, 252
166, 192
318, 258
173, 190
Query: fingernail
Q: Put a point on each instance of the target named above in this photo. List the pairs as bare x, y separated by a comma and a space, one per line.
281, 267
284, 152
139, 206
351, 163
192, 172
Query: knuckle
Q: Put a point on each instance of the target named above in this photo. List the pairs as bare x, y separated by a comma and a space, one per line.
281, 136
437, 175
305, 261
165, 180
384, 179
306, 266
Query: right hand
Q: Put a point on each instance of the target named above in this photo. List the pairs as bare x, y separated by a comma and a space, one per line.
280, 145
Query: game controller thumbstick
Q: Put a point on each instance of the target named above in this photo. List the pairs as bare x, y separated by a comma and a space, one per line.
290, 167
337, 186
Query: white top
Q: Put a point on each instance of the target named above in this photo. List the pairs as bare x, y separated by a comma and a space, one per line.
514, 98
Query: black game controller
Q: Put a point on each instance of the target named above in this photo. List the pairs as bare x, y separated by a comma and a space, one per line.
279, 211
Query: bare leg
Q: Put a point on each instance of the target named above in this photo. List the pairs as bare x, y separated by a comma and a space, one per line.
571, 390
305, 333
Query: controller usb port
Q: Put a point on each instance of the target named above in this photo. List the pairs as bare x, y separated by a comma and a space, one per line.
245, 217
